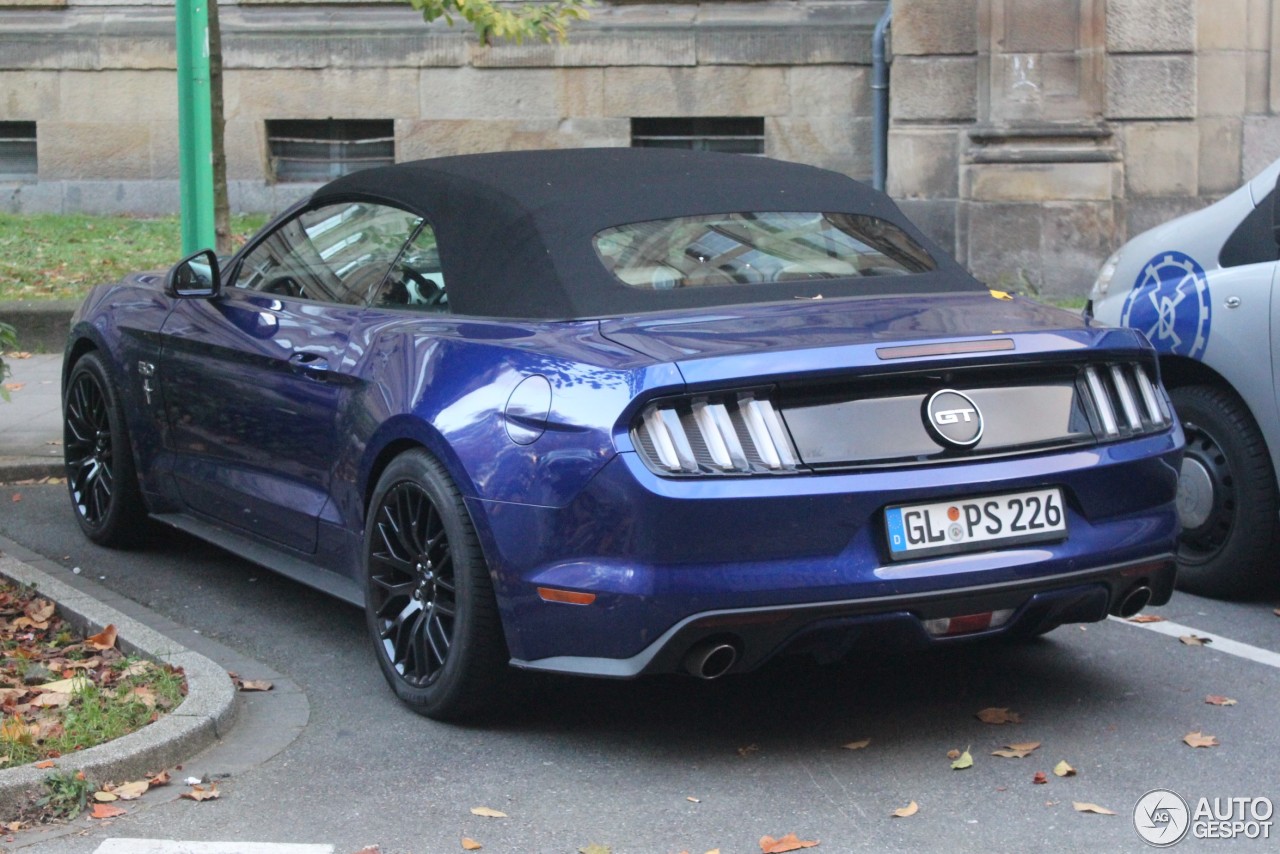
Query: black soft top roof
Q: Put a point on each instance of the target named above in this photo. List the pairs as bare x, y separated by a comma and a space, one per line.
515, 228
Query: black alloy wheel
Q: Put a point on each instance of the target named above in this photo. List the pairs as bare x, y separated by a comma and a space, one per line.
415, 596
100, 470
429, 601
1227, 498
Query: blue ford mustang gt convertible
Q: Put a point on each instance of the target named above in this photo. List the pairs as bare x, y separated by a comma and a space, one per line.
625, 411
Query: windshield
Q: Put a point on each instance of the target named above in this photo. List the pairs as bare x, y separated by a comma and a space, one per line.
754, 248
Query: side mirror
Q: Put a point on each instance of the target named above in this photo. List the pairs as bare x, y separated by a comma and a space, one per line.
196, 277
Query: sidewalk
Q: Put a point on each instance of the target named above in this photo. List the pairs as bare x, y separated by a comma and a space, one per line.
31, 422
31, 448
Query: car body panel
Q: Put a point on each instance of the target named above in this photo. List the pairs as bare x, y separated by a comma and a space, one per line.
264, 422
253, 383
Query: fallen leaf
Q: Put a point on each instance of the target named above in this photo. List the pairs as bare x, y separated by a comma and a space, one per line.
907, 811
469, 844
200, 793
142, 694
1199, 739
1276, 612
14, 386
106, 811
15, 826
74, 685
1062, 769
963, 761
1011, 752
105, 639
161, 779
1146, 618
105, 797
1024, 745
488, 813
48, 763
953, 754
1040, 778
132, 790
1082, 806
999, 716
856, 745
790, 842
1218, 700
17, 496
15, 729
748, 750
370, 849
594, 849
254, 685
1194, 640
40, 610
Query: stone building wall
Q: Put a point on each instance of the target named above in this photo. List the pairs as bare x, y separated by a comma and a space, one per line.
1036, 136
97, 76
1032, 137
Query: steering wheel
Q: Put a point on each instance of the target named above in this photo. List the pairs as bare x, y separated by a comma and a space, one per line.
432, 295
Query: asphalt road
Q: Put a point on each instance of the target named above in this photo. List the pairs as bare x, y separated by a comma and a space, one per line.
670, 765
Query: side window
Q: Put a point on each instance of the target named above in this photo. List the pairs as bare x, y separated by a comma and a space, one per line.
337, 253
1253, 241
416, 282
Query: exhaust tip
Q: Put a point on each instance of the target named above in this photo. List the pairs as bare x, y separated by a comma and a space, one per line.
711, 659
1134, 601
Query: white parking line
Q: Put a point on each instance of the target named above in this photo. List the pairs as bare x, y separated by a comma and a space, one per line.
1217, 642
174, 846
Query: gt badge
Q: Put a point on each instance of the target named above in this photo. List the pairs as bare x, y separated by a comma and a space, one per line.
952, 419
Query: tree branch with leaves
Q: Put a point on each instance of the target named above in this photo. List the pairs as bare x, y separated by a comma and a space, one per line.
493, 20
544, 22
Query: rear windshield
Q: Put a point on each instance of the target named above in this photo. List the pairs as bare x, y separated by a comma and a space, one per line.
754, 248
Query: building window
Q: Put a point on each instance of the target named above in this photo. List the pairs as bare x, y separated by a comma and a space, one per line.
733, 135
17, 151
324, 149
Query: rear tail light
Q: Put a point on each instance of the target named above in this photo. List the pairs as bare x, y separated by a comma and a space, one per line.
1125, 400
734, 433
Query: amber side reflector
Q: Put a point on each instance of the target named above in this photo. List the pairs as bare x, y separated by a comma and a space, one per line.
569, 597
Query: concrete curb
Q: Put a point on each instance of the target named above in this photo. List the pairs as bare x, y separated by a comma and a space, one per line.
42, 325
13, 469
205, 716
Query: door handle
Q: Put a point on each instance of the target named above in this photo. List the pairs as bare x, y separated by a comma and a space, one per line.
312, 365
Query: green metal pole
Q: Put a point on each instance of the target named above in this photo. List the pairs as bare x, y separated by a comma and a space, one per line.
195, 126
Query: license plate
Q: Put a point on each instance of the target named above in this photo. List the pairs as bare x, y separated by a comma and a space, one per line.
971, 524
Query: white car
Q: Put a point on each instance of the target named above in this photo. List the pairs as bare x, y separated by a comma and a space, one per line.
1203, 287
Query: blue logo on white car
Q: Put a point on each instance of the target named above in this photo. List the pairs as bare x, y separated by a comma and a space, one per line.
1170, 303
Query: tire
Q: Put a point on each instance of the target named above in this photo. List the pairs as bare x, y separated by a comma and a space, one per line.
1227, 500
429, 602
101, 476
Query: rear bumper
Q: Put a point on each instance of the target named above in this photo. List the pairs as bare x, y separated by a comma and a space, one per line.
668, 564
829, 630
